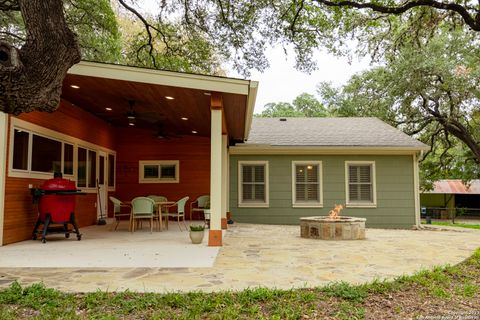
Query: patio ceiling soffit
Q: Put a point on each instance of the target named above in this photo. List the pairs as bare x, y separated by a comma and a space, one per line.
236, 122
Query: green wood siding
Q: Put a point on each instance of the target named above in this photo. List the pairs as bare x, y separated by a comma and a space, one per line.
394, 185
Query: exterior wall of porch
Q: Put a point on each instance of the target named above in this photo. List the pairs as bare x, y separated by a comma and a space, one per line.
192, 152
19, 214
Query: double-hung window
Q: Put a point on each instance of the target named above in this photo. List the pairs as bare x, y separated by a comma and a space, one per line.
253, 184
307, 183
361, 189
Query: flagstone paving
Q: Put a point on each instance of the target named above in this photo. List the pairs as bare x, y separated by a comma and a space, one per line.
276, 257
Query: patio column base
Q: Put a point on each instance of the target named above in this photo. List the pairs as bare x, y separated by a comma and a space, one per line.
215, 238
224, 224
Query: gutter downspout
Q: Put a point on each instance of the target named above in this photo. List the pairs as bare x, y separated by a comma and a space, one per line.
416, 187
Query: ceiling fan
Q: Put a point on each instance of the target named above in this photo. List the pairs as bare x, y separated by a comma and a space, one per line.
149, 117
131, 114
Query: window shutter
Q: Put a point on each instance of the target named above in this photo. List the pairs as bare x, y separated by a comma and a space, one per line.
247, 192
364, 173
312, 194
300, 192
259, 192
247, 173
312, 174
352, 174
365, 192
307, 183
253, 183
300, 173
360, 186
353, 192
259, 174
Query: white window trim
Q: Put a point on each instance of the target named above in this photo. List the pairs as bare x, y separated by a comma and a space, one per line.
16, 123
304, 204
241, 204
374, 185
142, 163
112, 188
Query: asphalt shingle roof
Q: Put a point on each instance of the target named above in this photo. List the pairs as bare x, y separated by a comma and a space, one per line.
329, 132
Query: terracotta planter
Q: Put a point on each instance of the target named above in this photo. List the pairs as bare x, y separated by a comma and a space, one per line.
197, 236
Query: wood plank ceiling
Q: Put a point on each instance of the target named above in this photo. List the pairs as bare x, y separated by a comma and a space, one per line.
152, 109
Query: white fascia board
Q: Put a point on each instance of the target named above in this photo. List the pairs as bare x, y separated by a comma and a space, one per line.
270, 150
252, 97
159, 77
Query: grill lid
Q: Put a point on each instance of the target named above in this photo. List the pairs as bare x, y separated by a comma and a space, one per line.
58, 184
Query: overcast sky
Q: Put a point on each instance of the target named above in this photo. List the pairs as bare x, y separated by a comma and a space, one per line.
281, 82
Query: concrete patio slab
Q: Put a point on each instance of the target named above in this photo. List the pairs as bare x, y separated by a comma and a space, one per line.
102, 248
272, 256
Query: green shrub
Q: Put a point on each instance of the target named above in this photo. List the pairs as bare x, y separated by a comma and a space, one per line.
197, 228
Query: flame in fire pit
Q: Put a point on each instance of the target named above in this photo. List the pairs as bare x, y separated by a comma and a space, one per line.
335, 213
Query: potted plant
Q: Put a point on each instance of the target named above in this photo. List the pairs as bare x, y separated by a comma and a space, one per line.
196, 233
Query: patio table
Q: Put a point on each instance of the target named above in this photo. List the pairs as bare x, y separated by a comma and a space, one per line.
159, 205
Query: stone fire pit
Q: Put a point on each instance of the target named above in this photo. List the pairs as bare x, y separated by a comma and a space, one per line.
326, 228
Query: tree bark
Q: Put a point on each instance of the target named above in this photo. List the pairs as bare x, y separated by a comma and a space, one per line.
31, 77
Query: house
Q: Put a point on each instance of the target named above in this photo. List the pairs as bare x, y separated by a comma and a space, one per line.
449, 195
135, 131
294, 167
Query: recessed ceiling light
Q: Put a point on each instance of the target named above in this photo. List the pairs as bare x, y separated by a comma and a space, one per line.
207, 93
193, 131
108, 109
131, 124
169, 98
184, 119
74, 86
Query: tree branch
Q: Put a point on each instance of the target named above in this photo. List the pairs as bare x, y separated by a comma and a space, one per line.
12, 35
471, 20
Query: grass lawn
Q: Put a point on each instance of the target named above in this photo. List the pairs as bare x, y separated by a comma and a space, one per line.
460, 225
443, 291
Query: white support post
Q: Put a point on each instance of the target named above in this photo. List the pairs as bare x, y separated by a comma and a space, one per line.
416, 187
215, 232
3, 168
228, 180
224, 180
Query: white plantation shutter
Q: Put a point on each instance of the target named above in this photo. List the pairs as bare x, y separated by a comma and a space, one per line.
307, 182
253, 183
360, 183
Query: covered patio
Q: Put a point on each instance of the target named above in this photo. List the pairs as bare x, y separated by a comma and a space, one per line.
136, 131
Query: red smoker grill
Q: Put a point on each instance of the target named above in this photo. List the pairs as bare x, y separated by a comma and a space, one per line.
56, 206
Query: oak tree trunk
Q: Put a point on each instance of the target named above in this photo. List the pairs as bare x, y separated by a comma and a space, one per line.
31, 77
